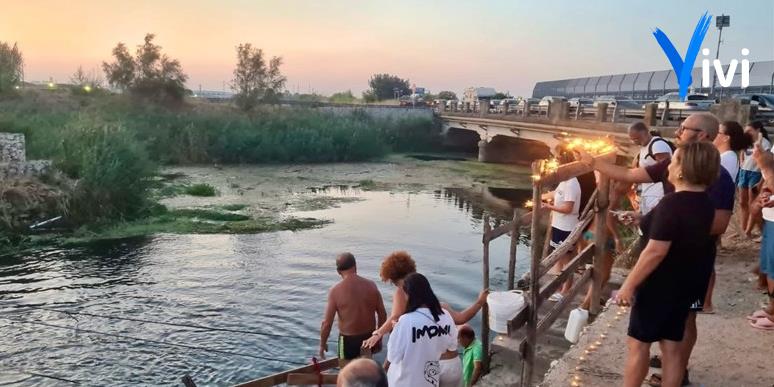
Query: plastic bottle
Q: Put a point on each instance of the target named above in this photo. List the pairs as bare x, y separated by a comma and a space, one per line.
575, 324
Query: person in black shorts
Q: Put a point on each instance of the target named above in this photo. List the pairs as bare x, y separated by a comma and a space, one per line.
670, 272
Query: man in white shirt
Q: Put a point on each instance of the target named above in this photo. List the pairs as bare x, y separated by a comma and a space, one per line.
652, 150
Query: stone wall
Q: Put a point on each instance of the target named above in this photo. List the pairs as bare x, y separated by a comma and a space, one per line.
13, 159
12, 148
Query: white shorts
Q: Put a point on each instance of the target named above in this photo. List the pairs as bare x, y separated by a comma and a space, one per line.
647, 203
451, 372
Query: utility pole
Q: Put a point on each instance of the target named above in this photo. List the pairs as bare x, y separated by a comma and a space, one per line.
720, 22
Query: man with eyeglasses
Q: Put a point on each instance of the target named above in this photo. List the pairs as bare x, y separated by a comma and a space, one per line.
697, 127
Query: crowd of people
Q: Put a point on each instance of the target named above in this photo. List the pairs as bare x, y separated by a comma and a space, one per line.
683, 199
681, 219
425, 334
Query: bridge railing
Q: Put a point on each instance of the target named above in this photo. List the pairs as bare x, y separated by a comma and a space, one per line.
654, 114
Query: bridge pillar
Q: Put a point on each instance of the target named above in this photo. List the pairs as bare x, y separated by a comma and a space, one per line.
454, 106
651, 114
505, 108
525, 112
482, 155
483, 107
467, 107
602, 111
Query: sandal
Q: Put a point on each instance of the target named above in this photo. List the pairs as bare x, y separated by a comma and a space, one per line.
763, 324
759, 314
655, 380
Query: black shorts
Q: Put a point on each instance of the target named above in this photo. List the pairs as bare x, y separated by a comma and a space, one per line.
657, 319
349, 346
557, 237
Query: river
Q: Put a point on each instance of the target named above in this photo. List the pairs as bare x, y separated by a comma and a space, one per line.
260, 295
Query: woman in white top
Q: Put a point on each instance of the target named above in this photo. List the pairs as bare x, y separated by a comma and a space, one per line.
750, 178
731, 140
420, 337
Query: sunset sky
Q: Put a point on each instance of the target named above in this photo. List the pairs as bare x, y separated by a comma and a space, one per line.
331, 46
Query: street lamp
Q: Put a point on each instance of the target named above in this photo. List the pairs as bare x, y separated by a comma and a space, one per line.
720, 22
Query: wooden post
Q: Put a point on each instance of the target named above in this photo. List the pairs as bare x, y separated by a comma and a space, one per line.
525, 112
665, 114
602, 112
512, 254
485, 307
528, 362
600, 241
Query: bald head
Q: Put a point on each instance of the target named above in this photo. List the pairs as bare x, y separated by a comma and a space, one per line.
344, 262
704, 121
362, 373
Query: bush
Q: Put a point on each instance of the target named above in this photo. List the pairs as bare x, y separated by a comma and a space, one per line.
112, 169
201, 190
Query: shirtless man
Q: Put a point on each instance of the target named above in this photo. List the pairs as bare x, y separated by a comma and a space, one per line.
359, 306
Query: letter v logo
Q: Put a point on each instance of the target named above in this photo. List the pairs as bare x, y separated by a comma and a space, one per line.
682, 67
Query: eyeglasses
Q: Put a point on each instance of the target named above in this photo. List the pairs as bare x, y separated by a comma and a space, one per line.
683, 127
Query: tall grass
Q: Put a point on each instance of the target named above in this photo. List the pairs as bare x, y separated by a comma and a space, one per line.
112, 144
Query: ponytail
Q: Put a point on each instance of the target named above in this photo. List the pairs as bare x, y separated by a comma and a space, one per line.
758, 125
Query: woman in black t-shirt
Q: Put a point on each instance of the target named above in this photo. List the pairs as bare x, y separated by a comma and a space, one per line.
674, 264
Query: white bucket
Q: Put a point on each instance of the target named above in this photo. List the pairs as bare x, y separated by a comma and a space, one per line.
575, 324
503, 307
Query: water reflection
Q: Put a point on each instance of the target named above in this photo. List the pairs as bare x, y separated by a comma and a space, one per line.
271, 283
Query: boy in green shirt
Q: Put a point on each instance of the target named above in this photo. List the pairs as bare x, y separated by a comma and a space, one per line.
472, 355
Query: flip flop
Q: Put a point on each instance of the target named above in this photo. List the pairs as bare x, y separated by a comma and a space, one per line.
707, 311
763, 324
758, 314
556, 297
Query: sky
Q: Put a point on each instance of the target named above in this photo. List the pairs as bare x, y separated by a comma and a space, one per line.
336, 45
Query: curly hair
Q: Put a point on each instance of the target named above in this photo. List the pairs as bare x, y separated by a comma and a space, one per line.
396, 266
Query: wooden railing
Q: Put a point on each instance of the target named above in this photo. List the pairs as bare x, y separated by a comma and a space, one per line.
596, 209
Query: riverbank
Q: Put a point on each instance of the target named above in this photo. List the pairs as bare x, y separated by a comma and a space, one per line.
728, 353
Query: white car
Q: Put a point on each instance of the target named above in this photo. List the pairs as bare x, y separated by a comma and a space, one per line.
764, 102
575, 102
545, 101
620, 102
698, 102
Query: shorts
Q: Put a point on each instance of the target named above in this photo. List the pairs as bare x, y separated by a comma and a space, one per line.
451, 372
657, 319
557, 237
349, 346
767, 249
748, 179
609, 244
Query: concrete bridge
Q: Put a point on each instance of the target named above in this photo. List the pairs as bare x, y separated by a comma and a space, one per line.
531, 132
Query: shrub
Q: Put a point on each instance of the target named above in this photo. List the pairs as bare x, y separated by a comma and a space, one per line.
201, 190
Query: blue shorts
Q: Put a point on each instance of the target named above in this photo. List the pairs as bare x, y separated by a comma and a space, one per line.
767, 249
557, 237
748, 179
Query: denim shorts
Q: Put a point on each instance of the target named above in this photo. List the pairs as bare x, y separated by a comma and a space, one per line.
748, 179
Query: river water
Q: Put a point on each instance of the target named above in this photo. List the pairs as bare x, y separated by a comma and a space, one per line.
264, 293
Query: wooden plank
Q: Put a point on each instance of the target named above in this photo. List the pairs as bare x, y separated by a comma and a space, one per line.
517, 322
581, 259
282, 377
554, 313
498, 231
512, 253
485, 307
528, 358
565, 247
312, 379
600, 241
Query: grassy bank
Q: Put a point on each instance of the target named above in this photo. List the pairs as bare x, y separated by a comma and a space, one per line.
111, 147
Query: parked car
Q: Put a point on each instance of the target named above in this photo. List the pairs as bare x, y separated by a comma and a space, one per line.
617, 101
545, 101
699, 102
575, 102
451, 103
764, 102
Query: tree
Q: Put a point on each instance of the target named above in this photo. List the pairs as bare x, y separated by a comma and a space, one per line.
11, 67
343, 97
81, 79
255, 81
383, 86
500, 96
447, 95
150, 74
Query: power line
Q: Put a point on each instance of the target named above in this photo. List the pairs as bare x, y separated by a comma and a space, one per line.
126, 337
183, 325
35, 374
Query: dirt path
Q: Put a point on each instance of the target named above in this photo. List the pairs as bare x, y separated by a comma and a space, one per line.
729, 352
